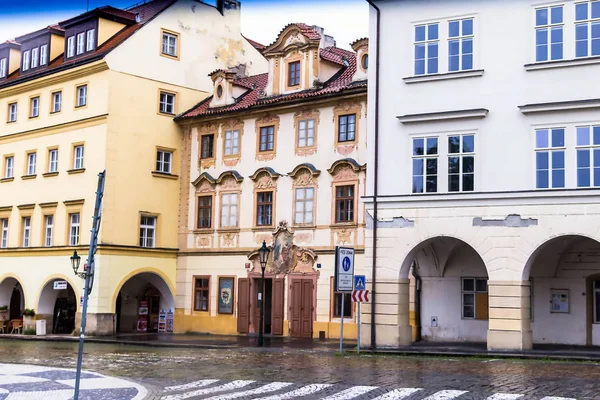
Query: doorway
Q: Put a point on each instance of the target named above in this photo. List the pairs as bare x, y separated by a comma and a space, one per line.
65, 308
248, 313
268, 299
15, 304
302, 308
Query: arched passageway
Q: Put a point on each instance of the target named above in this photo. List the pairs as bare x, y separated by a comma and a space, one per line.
58, 306
140, 303
11, 296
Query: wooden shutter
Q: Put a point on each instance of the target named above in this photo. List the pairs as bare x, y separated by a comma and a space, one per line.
277, 305
307, 309
481, 306
243, 317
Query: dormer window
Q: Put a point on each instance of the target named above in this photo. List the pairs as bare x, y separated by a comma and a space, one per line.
44, 54
3, 68
219, 91
80, 43
34, 57
70, 46
364, 61
26, 55
294, 73
90, 42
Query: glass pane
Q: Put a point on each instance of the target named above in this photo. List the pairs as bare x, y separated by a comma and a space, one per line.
558, 137
596, 157
432, 65
432, 50
454, 47
431, 184
481, 285
581, 48
542, 160
596, 47
583, 136
541, 36
432, 145
558, 178
467, 46
541, 17
454, 29
453, 165
453, 63
583, 177
419, 33
468, 182
467, 27
468, 144
310, 193
469, 298
419, 51
596, 177
558, 159
453, 183
556, 35
468, 311
583, 158
417, 184
541, 53
467, 61
595, 9
432, 32
454, 144
431, 166
542, 179
556, 15
419, 67
596, 134
418, 147
581, 11
468, 164
556, 52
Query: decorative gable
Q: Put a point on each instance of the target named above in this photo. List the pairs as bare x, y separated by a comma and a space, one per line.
361, 48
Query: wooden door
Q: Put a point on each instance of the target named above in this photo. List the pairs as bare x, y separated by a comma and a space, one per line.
306, 317
277, 306
296, 307
243, 316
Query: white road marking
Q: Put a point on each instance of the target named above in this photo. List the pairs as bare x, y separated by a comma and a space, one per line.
303, 391
223, 388
13, 379
446, 395
504, 396
46, 395
557, 398
271, 387
397, 394
351, 393
191, 385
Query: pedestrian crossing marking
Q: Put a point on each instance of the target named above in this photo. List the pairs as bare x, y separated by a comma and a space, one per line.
271, 387
351, 393
222, 388
505, 396
303, 391
191, 385
446, 395
397, 394
557, 398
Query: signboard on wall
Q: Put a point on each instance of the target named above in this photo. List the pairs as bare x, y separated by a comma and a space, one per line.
559, 301
60, 285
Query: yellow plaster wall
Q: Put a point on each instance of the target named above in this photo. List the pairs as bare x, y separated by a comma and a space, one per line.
14, 60
57, 46
107, 29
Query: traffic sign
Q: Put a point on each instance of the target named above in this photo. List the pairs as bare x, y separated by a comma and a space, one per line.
344, 269
60, 285
360, 282
360, 296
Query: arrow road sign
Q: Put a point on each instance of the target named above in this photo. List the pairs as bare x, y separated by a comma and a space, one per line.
360, 296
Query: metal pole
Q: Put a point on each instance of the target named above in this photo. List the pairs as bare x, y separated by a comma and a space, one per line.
262, 308
82, 335
342, 324
359, 327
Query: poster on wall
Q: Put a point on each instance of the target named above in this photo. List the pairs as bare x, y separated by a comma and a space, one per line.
170, 321
226, 295
143, 310
559, 301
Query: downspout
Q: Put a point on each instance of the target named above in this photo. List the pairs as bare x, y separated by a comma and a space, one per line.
418, 287
375, 179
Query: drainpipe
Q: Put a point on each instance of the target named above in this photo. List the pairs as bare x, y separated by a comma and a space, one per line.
418, 287
375, 178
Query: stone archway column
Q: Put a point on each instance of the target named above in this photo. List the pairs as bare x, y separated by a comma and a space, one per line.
509, 315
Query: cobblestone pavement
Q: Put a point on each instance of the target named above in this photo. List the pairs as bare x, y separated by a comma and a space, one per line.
283, 373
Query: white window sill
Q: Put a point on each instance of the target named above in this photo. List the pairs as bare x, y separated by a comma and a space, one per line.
575, 62
443, 77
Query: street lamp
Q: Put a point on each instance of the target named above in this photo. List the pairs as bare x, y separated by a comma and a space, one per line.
263, 255
75, 261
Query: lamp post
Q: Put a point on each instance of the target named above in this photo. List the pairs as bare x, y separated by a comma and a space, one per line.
75, 261
263, 254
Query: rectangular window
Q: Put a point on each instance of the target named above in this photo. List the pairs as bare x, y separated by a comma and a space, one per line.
204, 212
201, 293
56, 102
550, 158
70, 46
267, 138
44, 54
26, 231
9, 165
78, 157
338, 297
147, 231
474, 298
169, 44
31, 163
304, 206
49, 222
26, 55
34, 57
12, 112
207, 146
232, 143
460, 45
588, 156
34, 107
461, 163
264, 208
74, 220
426, 49
344, 203
425, 165
294, 73
53, 160
167, 103
229, 210
3, 68
4, 237
347, 128
549, 33
90, 40
81, 95
306, 133
80, 43
163, 161
587, 29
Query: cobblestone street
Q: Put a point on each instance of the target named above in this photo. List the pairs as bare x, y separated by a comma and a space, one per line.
177, 374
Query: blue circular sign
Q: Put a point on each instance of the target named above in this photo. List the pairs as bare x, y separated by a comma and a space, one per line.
346, 264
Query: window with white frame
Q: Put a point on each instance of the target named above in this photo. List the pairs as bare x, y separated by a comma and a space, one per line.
48, 230
229, 210
163, 161
169, 44
80, 43
147, 231
74, 220
3, 67
587, 29
26, 231
12, 112
56, 102
550, 158
9, 165
31, 163
426, 48
4, 233
78, 157
53, 160
588, 156
304, 206
167, 103
461, 163
34, 57
90, 40
26, 60
70, 46
232, 143
425, 165
81, 95
460, 45
34, 107
44, 54
306, 133
475, 298
549, 33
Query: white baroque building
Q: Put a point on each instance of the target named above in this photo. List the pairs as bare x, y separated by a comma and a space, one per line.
487, 187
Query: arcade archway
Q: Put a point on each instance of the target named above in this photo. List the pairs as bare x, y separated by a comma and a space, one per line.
11, 296
58, 306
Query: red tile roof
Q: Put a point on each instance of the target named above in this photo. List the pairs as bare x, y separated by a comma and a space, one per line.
255, 44
340, 82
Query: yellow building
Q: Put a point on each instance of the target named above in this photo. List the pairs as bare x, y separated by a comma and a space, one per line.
99, 92
276, 157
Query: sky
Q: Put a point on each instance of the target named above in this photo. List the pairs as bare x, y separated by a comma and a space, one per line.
261, 20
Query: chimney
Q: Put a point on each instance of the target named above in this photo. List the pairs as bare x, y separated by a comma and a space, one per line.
328, 41
228, 5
